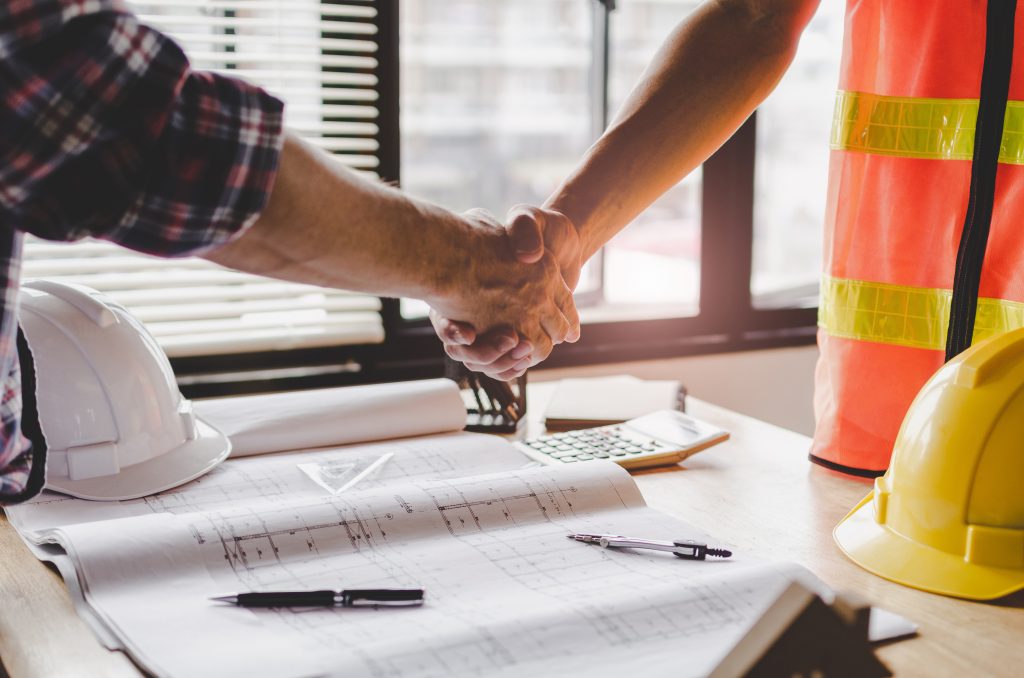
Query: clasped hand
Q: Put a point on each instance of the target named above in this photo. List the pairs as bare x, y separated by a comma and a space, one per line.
516, 303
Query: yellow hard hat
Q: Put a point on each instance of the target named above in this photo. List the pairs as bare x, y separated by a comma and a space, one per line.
948, 515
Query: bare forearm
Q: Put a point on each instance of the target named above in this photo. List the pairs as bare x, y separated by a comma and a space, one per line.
711, 73
325, 225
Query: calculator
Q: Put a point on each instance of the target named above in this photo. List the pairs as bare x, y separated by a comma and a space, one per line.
662, 437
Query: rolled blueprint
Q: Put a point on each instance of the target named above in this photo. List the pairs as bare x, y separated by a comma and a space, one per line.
300, 420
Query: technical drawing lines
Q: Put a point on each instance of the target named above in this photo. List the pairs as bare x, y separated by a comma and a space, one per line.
251, 540
455, 513
473, 505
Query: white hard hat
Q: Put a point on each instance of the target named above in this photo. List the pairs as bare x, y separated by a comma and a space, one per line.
116, 425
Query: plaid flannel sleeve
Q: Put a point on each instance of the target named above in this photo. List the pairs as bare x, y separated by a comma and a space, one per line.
16, 470
107, 132
114, 136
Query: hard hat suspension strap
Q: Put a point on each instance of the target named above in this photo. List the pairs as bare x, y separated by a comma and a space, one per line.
995, 83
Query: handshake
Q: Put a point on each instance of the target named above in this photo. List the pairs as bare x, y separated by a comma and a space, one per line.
511, 302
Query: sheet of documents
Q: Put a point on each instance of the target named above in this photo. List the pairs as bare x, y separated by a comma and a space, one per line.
458, 515
297, 420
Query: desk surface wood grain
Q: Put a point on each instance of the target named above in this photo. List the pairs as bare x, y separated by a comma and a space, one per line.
757, 492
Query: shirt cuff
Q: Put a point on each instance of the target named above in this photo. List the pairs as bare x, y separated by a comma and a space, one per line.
213, 172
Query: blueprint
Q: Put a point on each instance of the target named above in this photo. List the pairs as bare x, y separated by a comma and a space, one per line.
457, 515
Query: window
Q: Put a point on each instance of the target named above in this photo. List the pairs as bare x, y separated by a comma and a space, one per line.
728, 259
652, 268
498, 102
792, 169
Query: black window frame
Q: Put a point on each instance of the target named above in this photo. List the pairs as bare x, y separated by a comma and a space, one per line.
727, 319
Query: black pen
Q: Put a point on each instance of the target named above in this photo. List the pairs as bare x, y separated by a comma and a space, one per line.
346, 598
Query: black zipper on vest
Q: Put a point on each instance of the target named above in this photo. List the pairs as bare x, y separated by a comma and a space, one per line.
988, 134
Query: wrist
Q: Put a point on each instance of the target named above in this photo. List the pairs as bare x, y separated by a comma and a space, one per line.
575, 214
448, 260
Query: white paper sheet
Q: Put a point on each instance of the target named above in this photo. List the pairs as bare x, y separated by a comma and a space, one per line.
299, 420
460, 515
271, 480
506, 591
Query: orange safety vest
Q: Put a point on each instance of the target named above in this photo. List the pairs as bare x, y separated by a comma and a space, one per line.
924, 241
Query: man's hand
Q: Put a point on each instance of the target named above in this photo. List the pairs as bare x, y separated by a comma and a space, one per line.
514, 290
534, 233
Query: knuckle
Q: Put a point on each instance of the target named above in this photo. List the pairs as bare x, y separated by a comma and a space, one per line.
449, 332
454, 352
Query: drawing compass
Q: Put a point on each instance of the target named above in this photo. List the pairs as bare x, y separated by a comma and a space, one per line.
683, 548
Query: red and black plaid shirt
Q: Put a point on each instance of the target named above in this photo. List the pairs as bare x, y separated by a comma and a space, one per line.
106, 132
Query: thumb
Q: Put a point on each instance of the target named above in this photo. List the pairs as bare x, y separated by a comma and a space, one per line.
525, 233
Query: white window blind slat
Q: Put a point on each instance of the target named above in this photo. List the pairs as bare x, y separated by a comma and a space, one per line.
154, 276
356, 8
237, 309
275, 20
58, 266
309, 319
352, 128
193, 295
203, 60
242, 43
297, 81
320, 58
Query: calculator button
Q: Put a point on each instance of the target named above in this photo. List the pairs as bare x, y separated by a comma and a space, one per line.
564, 454
634, 450
569, 459
617, 453
584, 457
601, 455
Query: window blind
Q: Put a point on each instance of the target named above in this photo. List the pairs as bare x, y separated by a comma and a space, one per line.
322, 59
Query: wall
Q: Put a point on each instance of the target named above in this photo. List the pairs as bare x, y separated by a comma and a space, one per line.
773, 385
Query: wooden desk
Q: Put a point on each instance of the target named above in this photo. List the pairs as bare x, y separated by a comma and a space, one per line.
758, 491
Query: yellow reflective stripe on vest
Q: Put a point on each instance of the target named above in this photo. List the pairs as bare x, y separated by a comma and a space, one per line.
934, 129
905, 316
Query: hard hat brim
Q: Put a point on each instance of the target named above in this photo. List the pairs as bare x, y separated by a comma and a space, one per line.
891, 556
189, 461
